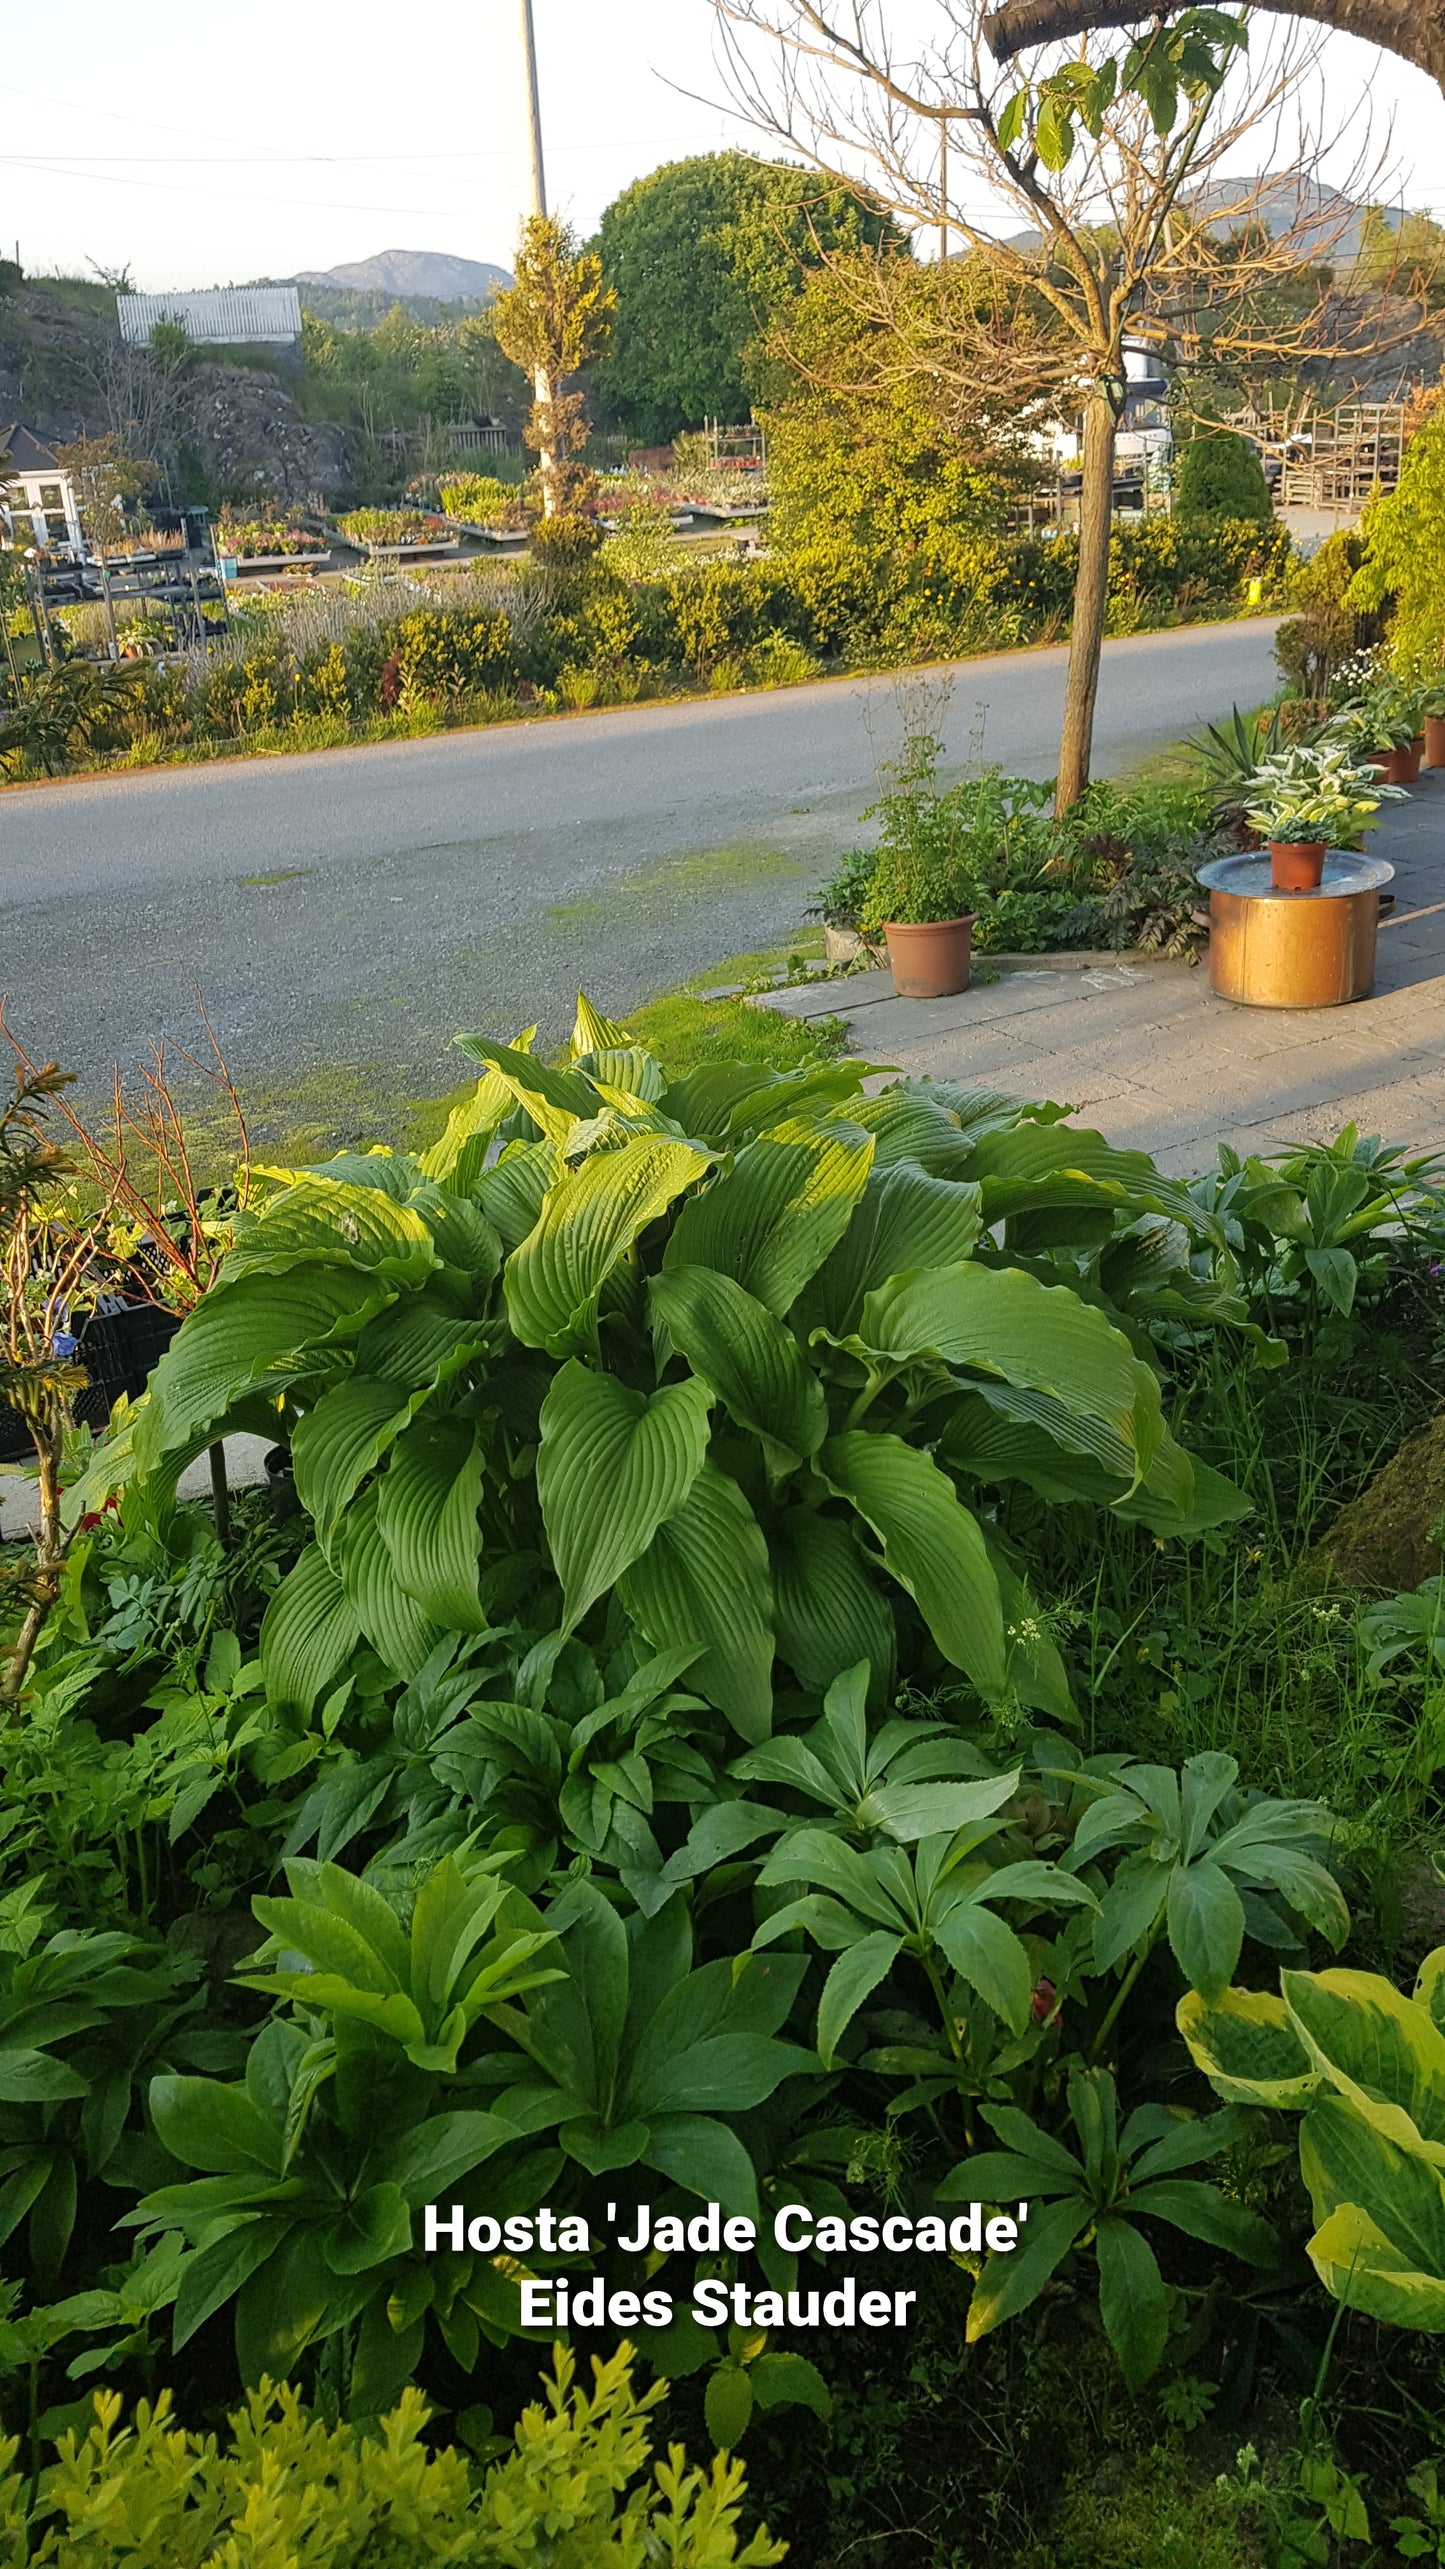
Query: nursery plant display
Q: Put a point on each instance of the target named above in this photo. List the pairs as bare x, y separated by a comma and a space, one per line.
256, 538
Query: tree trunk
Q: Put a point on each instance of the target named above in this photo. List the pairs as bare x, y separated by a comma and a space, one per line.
1414, 29
1091, 591
50, 1550
543, 394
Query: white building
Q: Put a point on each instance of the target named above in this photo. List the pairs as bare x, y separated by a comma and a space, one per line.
37, 500
227, 316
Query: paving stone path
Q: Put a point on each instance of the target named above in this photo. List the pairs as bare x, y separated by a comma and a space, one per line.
1148, 1054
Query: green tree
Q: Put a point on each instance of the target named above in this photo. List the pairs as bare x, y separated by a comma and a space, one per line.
556, 319
702, 254
883, 499
1407, 255
1220, 475
1404, 532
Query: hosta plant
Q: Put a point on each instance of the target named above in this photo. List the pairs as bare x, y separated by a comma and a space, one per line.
733, 1363
1366, 2067
1315, 792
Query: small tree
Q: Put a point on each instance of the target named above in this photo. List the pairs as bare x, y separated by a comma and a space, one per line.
1404, 540
1220, 475
552, 322
105, 477
703, 254
1103, 158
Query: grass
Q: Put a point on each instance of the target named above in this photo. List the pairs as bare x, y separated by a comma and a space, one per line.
1232, 1642
684, 1030
1179, 762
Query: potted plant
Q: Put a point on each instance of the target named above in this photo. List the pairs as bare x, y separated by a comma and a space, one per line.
1385, 727
1305, 799
917, 897
929, 934
1432, 720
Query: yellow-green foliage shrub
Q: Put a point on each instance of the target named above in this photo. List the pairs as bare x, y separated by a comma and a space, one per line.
479, 499
324, 685
1404, 564
288, 2492
440, 656
243, 696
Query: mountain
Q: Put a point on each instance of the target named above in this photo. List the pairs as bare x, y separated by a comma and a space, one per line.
433, 273
1327, 223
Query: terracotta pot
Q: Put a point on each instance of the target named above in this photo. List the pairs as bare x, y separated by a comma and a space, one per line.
930, 961
1435, 740
1398, 766
1296, 865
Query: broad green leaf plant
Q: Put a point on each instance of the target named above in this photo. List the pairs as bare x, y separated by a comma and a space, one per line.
1365, 2066
1099, 2193
736, 1359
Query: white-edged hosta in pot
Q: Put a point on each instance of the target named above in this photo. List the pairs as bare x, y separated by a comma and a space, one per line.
1305, 800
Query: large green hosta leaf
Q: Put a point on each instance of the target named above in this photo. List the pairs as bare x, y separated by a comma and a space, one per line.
308, 1634
389, 1615
931, 1544
322, 1217
340, 1441
555, 1099
703, 1582
612, 1467
254, 1336
904, 1218
512, 1194
998, 1434
426, 1512
418, 1342
456, 1160
1036, 1168
770, 1220
750, 1360
1039, 1337
912, 1125
589, 1221
827, 1612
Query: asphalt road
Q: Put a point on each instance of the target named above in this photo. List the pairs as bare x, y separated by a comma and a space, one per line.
347, 912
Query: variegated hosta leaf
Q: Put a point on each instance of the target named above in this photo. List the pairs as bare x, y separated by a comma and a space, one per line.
1247, 2048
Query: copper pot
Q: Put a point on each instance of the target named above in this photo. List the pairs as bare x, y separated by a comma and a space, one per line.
1270, 949
1296, 864
930, 959
1435, 740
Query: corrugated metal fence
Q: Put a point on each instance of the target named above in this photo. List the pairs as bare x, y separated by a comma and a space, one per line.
230, 316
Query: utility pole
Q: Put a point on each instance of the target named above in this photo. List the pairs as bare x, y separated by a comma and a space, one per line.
536, 175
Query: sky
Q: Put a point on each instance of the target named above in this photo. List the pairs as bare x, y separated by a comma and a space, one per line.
242, 138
